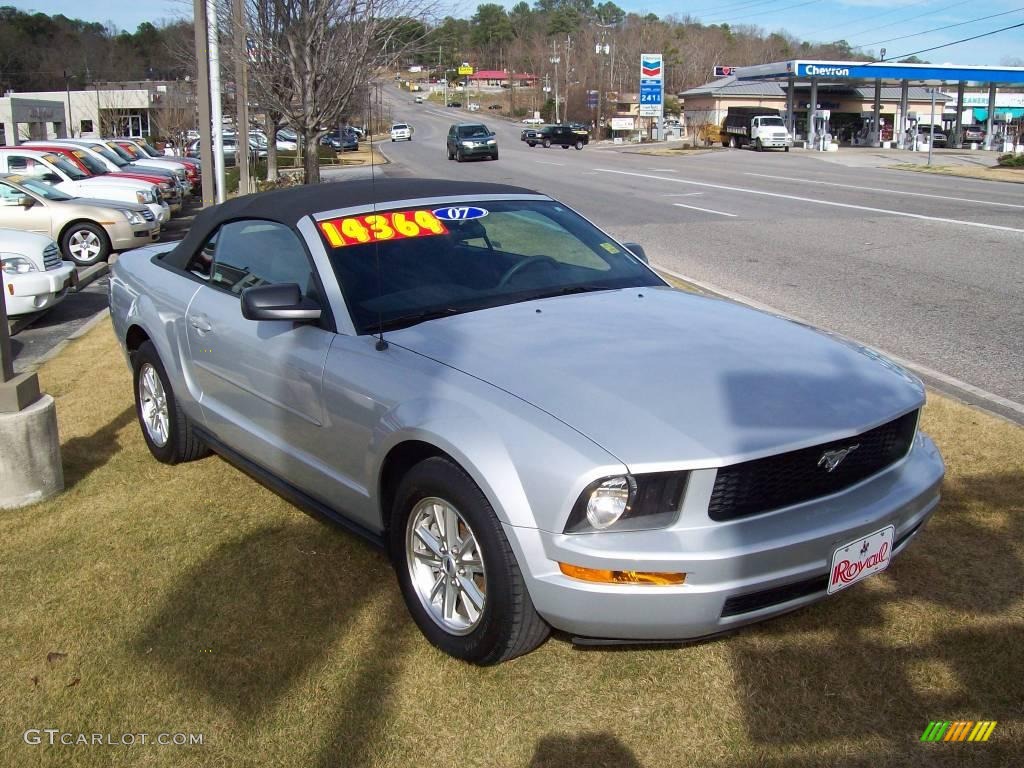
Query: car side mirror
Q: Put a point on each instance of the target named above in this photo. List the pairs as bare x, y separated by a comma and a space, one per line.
26, 202
637, 250
278, 302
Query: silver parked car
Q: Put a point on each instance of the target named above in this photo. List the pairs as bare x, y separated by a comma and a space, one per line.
540, 431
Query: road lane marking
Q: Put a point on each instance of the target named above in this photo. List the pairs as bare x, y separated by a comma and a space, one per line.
921, 370
684, 194
706, 210
887, 191
547, 162
663, 170
764, 193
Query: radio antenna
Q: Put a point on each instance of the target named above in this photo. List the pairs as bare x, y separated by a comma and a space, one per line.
381, 344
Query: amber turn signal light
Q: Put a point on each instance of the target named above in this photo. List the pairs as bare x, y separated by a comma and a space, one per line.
621, 577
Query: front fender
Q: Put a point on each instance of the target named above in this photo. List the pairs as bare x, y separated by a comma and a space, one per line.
530, 466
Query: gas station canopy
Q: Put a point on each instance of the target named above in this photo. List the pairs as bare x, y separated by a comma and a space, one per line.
881, 70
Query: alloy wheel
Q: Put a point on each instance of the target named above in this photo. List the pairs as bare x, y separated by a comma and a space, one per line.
153, 405
446, 566
85, 245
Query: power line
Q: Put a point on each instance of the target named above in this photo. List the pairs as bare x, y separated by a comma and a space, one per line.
911, 18
939, 29
947, 45
879, 16
766, 13
729, 6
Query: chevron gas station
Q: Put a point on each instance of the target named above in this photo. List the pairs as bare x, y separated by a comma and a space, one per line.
878, 104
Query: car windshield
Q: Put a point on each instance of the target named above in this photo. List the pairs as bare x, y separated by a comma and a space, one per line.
133, 152
473, 132
116, 149
772, 121
95, 166
42, 189
399, 127
149, 150
65, 165
109, 154
440, 261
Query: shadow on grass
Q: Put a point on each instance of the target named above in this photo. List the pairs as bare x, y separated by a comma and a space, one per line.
862, 684
241, 626
82, 455
589, 750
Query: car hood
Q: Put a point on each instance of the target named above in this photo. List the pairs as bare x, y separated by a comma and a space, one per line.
108, 204
664, 379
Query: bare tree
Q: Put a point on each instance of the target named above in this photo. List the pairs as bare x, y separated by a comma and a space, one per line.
311, 57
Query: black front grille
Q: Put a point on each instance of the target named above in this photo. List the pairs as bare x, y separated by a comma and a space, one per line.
798, 476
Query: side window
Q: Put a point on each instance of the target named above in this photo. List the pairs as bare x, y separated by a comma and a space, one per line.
26, 165
202, 263
251, 253
9, 195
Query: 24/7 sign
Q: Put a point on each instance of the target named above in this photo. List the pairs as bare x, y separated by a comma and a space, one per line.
652, 85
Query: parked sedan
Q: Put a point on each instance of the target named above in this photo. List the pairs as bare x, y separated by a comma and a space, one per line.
35, 276
538, 429
341, 141
88, 230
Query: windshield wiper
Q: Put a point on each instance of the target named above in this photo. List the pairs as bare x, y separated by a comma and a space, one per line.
567, 290
414, 318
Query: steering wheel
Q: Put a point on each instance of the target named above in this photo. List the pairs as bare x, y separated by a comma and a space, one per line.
519, 266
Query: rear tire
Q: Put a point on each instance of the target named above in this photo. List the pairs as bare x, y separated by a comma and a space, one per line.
785, 149
506, 625
166, 428
732, 142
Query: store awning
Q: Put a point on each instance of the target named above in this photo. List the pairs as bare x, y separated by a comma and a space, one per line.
981, 114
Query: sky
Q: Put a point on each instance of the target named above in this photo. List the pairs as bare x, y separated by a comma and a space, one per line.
868, 23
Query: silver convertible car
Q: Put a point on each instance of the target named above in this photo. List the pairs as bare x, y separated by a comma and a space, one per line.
540, 431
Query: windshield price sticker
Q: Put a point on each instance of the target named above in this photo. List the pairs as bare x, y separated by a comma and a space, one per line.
460, 213
379, 227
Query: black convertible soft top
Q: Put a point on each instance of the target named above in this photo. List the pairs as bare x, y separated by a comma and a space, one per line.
289, 206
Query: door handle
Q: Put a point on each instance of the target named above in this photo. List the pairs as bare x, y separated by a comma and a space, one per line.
200, 323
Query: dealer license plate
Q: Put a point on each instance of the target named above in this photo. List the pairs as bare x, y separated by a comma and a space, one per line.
861, 558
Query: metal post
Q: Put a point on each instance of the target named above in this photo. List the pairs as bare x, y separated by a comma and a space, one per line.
991, 115
216, 116
242, 96
904, 107
69, 128
203, 99
791, 105
812, 133
960, 113
6, 356
555, 59
931, 128
876, 139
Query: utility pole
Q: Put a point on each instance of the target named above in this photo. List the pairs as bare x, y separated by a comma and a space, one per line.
555, 58
203, 99
931, 128
67, 89
242, 96
216, 115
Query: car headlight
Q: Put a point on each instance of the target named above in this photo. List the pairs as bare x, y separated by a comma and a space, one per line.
467, 143
17, 265
491, 141
145, 196
628, 503
133, 217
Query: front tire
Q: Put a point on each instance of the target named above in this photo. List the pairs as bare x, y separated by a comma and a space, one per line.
758, 146
459, 156
166, 429
457, 572
85, 244
579, 145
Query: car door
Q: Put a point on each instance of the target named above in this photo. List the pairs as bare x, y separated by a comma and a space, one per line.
13, 215
259, 382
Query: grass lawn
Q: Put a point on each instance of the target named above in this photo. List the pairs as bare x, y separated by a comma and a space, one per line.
992, 173
190, 599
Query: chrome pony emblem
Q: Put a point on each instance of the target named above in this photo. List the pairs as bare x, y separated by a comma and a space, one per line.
832, 459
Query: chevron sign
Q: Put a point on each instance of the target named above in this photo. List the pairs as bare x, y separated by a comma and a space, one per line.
651, 67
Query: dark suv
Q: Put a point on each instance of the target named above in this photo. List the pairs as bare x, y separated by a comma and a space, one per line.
467, 140
559, 134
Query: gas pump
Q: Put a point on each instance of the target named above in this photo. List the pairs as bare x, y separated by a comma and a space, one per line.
822, 138
911, 131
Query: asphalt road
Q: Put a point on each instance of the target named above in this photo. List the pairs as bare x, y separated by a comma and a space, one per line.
927, 268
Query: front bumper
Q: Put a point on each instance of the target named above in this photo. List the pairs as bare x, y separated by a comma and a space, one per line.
126, 236
36, 291
760, 562
775, 143
479, 150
